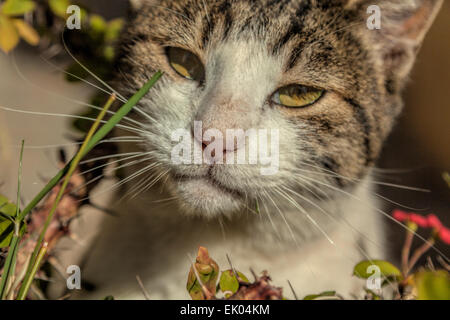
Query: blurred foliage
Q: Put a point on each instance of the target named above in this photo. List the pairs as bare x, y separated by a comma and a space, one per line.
43, 23
325, 294
387, 269
432, 285
12, 28
7, 215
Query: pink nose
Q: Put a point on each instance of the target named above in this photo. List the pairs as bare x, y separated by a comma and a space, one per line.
218, 116
232, 138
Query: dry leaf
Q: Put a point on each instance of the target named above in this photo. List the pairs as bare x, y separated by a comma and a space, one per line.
26, 32
9, 36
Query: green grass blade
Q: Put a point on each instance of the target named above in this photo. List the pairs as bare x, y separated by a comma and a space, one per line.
35, 267
10, 263
101, 133
88, 145
73, 166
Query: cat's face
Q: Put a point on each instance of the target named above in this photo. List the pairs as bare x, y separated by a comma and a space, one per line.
312, 70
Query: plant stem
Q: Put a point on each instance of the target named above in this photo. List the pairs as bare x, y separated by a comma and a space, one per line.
101, 133
419, 252
73, 166
97, 137
10, 263
27, 282
405, 252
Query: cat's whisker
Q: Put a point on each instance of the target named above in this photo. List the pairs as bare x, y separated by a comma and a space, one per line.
109, 157
70, 144
330, 173
341, 221
150, 182
277, 232
137, 188
384, 171
376, 194
129, 164
23, 77
115, 161
123, 181
284, 219
79, 78
165, 200
124, 127
119, 96
315, 205
398, 203
383, 213
307, 215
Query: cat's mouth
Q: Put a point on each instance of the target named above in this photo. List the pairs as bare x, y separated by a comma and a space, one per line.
205, 195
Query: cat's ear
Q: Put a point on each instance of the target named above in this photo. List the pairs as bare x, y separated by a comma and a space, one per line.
402, 28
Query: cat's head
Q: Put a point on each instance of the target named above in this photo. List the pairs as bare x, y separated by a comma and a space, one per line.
325, 76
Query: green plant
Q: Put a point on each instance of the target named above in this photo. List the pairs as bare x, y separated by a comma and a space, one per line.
18, 218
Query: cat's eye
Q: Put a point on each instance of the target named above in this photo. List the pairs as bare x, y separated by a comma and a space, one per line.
186, 64
297, 96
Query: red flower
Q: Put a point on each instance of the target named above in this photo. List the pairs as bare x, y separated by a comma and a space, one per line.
436, 224
401, 216
444, 235
434, 221
430, 221
419, 220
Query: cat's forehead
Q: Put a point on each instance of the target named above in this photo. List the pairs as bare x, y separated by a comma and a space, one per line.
203, 23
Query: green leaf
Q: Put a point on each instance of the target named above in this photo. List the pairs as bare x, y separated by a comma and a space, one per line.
113, 29
99, 135
386, 269
432, 285
446, 177
373, 294
7, 207
109, 53
6, 232
228, 283
108, 298
98, 24
17, 7
9, 37
59, 7
208, 272
320, 295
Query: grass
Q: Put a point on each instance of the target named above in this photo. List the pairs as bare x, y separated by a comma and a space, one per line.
91, 140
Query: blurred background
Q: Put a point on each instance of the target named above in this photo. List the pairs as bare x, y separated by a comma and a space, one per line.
416, 154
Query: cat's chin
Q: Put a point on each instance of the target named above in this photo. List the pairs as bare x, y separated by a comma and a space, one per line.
205, 197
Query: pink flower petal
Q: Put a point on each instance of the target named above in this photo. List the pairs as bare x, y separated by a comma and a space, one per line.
419, 220
400, 215
444, 235
434, 222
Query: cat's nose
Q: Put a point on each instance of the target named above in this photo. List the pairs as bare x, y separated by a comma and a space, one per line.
232, 139
227, 119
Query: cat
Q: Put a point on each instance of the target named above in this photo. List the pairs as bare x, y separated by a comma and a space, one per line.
313, 70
